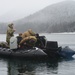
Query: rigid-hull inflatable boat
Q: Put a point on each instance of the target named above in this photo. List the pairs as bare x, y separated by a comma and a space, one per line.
50, 49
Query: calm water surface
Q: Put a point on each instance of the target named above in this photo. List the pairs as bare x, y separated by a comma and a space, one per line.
49, 67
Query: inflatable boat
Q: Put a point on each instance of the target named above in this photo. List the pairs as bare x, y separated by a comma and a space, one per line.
42, 49
26, 53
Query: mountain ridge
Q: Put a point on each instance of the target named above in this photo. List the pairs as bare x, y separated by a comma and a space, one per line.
59, 17
53, 18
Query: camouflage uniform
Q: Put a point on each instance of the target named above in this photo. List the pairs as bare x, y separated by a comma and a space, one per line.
27, 37
28, 33
30, 40
4, 45
10, 33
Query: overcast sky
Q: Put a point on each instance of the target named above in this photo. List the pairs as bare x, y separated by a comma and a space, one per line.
23, 7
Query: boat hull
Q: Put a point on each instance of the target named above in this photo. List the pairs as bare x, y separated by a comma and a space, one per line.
26, 53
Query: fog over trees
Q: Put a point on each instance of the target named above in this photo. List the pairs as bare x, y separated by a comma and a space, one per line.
58, 17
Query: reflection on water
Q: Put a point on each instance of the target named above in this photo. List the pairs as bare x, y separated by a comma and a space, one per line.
27, 67
16, 66
3, 67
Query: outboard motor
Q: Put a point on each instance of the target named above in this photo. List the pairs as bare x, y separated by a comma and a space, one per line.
52, 49
51, 44
13, 43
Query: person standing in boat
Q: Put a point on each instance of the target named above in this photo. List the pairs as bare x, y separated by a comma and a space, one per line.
10, 32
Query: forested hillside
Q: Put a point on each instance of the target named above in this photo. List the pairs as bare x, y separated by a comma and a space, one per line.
58, 17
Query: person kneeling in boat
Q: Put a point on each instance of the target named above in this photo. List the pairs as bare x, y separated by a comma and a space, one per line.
25, 37
28, 42
28, 33
4, 45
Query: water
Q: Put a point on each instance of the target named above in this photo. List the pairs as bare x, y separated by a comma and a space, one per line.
16, 66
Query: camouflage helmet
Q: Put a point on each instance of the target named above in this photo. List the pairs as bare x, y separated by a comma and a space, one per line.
10, 25
30, 30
